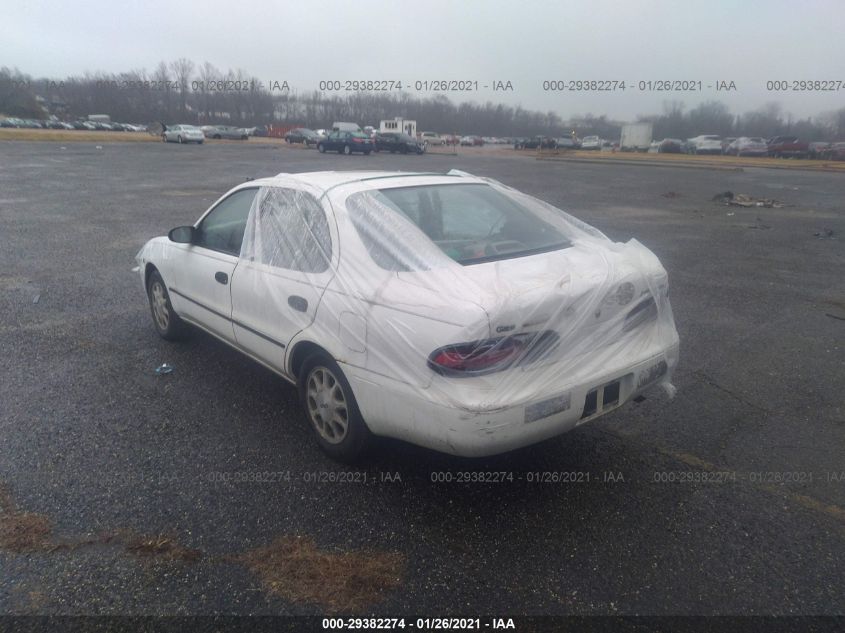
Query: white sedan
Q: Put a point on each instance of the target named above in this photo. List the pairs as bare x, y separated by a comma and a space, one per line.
183, 134
448, 310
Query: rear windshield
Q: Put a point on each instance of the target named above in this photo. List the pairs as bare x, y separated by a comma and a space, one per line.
471, 223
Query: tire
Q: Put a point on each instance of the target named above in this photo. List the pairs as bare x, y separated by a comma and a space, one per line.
366, 152
179, 139
347, 150
163, 138
165, 320
200, 142
321, 148
324, 391
216, 137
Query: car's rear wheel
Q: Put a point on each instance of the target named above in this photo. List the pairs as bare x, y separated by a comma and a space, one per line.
167, 323
347, 150
163, 138
321, 148
331, 409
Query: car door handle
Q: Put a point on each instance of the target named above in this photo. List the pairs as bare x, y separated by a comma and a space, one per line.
221, 277
298, 303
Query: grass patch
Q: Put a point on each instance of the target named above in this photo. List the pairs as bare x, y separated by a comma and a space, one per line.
70, 136
21, 531
293, 568
158, 547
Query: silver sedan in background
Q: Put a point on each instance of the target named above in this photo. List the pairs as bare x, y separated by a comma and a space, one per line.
225, 131
182, 134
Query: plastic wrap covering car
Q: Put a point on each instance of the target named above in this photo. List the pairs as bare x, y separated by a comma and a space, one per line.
457, 292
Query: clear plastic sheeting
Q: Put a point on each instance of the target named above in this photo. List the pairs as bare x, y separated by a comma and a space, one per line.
467, 316
476, 295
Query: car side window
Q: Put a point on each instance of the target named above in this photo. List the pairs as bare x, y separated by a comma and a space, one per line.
292, 232
223, 228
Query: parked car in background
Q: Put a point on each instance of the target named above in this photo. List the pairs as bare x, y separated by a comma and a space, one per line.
591, 142
835, 151
402, 143
670, 146
816, 149
432, 138
225, 132
452, 139
345, 126
303, 135
704, 144
346, 143
563, 142
788, 147
440, 309
535, 142
472, 141
182, 134
747, 146
726, 142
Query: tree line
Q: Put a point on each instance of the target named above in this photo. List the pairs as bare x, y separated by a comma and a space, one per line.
183, 92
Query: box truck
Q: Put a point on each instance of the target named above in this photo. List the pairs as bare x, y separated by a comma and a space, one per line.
636, 137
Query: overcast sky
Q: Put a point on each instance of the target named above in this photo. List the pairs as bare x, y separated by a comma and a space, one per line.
522, 41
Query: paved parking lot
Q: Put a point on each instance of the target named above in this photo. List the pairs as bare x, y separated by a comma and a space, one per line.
129, 492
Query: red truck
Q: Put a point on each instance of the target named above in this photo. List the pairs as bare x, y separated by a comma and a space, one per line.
788, 146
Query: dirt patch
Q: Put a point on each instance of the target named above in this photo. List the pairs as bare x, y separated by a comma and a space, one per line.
157, 547
21, 531
293, 568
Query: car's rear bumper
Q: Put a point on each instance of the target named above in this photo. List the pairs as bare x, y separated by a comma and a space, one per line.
395, 409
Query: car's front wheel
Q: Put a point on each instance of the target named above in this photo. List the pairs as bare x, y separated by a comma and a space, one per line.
179, 139
347, 150
321, 148
331, 409
167, 323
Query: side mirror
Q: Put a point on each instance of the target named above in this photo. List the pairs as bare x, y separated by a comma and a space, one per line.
182, 235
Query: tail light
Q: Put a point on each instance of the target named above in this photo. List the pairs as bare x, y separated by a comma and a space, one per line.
487, 356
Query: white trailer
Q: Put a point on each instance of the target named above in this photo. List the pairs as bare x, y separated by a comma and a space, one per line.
398, 124
636, 137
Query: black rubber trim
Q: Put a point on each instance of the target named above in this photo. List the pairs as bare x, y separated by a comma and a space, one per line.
231, 320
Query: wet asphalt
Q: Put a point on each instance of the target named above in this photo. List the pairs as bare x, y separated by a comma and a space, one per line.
729, 499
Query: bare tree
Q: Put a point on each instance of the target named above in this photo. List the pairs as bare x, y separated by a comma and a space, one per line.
182, 70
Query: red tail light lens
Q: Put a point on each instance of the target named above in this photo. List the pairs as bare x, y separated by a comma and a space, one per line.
491, 355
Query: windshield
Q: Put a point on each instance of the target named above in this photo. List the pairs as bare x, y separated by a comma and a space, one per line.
470, 223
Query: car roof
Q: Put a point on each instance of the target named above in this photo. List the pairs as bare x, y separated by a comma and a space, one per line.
325, 180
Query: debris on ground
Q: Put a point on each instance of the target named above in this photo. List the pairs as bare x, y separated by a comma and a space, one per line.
671, 194
293, 567
759, 224
824, 234
744, 200
164, 368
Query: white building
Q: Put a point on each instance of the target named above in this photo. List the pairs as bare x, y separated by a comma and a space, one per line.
399, 124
